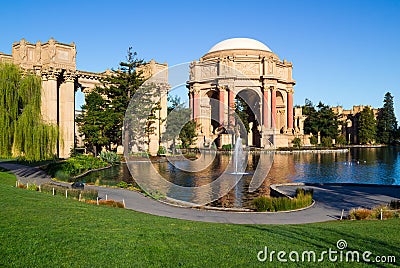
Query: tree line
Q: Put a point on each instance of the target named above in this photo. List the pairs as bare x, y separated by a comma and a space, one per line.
369, 130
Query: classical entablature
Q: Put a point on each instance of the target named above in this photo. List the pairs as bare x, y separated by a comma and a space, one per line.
247, 68
55, 63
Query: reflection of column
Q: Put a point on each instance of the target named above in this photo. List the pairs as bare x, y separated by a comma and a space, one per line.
221, 104
231, 106
66, 115
290, 110
265, 109
273, 107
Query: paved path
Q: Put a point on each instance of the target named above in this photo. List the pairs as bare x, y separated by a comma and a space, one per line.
330, 200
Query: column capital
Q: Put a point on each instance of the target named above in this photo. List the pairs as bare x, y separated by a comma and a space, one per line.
69, 76
222, 87
50, 73
290, 90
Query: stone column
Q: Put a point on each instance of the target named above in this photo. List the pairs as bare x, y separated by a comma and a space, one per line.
265, 109
191, 103
221, 104
49, 96
66, 114
290, 110
231, 102
196, 103
273, 107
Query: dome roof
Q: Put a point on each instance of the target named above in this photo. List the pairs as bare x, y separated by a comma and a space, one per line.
239, 43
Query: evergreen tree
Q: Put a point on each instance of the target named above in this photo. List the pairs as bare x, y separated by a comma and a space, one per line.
177, 115
322, 120
387, 123
118, 89
366, 126
311, 122
243, 111
328, 122
105, 109
188, 134
93, 122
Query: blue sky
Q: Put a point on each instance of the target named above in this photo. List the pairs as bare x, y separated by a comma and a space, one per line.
344, 52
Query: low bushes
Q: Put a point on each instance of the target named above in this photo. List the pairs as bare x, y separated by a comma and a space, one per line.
87, 196
380, 212
360, 214
302, 199
109, 203
129, 186
73, 193
74, 166
110, 157
161, 150
226, 147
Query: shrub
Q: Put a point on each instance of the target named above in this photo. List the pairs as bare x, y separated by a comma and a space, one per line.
360, 213
302, 199
341, 140
110, 203
32, 187
161, 150
123, 184
375, 213
89, 194
226, 147
326, 141
110, 157
296, 142
263, 203
313, 140
190, 155
74, 166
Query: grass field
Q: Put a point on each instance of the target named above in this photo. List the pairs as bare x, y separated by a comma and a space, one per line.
40, 230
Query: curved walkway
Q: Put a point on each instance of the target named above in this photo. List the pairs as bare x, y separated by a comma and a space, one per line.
330, 200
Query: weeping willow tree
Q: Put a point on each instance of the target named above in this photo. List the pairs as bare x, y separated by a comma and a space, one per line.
22, 130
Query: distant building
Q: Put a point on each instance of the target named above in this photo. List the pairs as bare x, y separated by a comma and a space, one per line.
349, 119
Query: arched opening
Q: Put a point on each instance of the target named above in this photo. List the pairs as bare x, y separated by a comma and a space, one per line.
281, 112
247, 103
214, 107
210, 121
79, 145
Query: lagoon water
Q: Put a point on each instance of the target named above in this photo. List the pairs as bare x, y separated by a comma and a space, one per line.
359, 165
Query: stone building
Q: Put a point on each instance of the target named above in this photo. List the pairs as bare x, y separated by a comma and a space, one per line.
245, 68
232, 69
349, 119
55, 63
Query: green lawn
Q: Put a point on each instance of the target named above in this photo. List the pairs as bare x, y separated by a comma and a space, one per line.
40, 230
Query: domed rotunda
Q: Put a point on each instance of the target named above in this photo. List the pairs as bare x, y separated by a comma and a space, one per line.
243, 72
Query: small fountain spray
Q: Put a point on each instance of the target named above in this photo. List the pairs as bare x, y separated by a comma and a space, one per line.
239, 158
